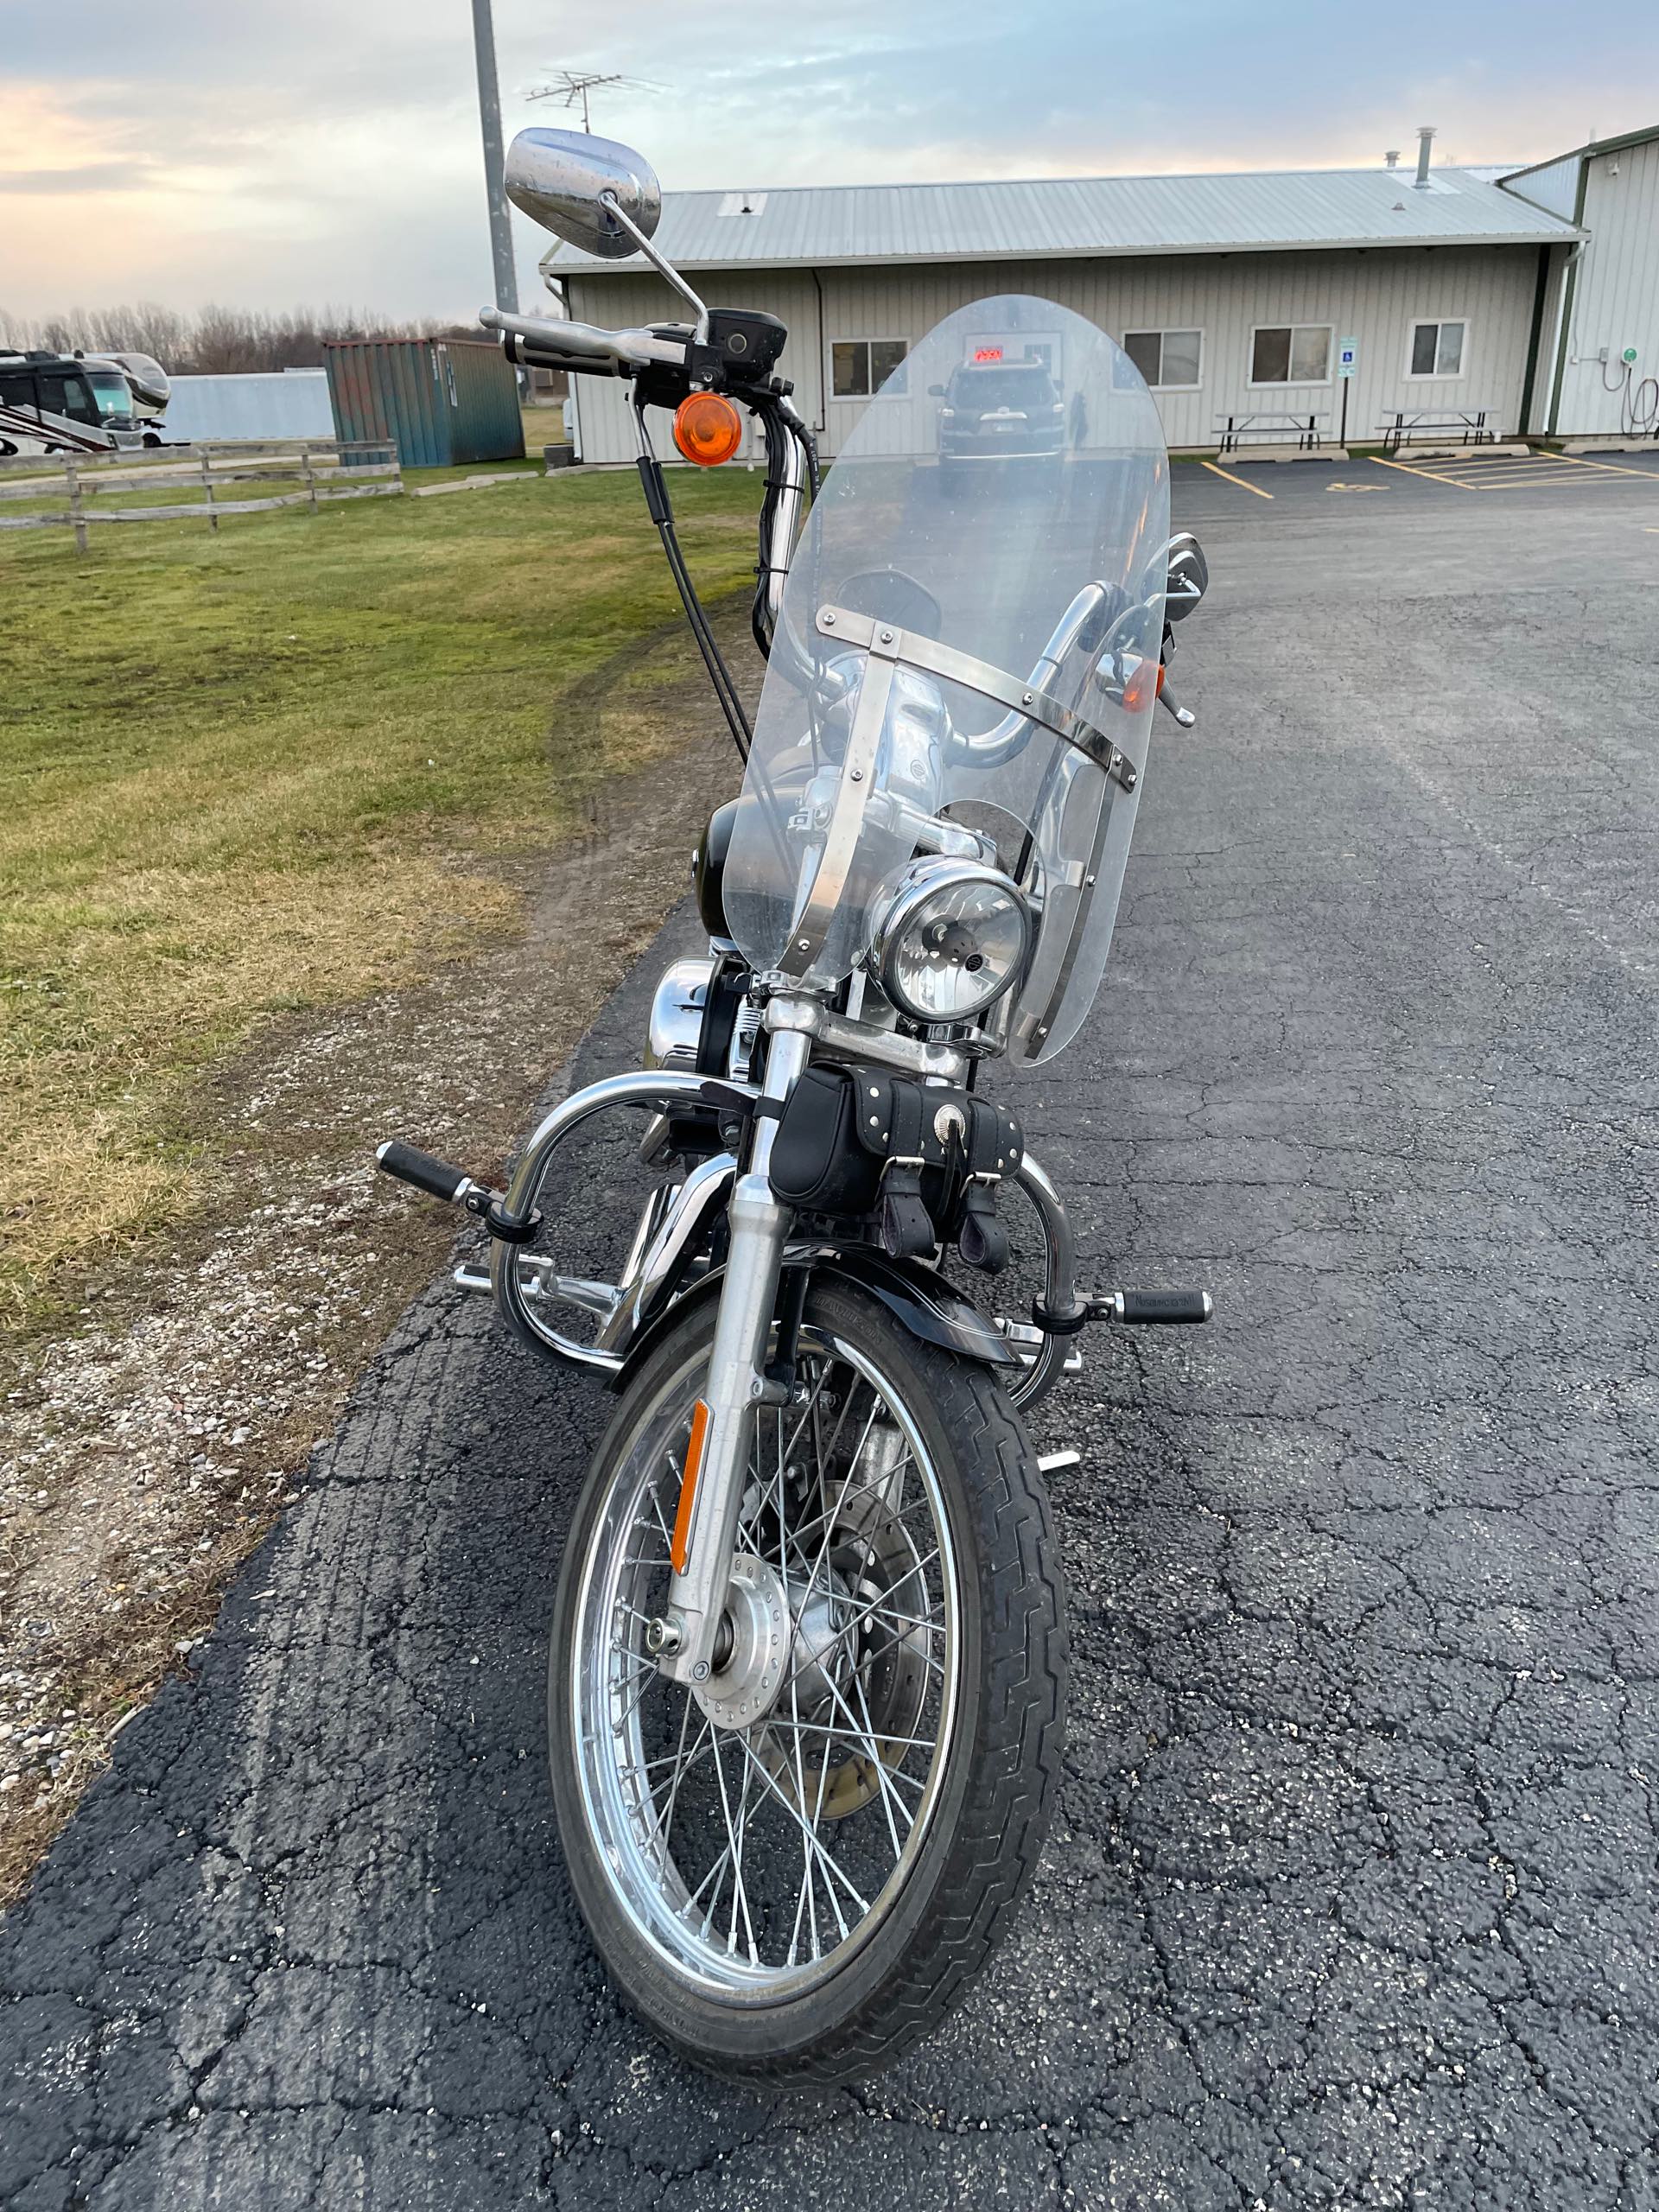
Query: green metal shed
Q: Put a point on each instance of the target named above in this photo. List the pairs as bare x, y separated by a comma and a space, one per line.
440, 400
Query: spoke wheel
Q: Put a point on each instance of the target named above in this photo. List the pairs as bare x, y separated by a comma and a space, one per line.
761, 1855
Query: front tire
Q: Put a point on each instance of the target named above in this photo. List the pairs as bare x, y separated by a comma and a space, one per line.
800, 1897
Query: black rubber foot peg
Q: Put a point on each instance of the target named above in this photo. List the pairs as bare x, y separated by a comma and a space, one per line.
1144, 1308
455, 1187
436, 1177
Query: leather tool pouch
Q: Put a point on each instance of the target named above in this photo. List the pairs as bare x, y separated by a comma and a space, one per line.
916, 1163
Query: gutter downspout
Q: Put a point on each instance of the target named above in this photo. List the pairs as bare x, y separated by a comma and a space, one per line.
560, 287
1569, 287
1528, 382
822, 424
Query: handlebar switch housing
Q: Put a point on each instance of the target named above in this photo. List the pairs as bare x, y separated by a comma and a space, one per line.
742, 347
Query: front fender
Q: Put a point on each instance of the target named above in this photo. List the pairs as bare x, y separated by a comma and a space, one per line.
913, 1293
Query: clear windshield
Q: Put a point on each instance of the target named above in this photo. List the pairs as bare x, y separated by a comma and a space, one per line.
967, 660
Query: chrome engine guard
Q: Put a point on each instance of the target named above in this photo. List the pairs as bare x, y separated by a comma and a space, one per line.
524, 1284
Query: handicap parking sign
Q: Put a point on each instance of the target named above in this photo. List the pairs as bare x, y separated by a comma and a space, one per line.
1347, 357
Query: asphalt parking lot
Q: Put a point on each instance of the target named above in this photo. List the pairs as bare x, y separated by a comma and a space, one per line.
1351, 1898
1431, 478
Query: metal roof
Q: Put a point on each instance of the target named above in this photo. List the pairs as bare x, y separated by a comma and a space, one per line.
1595, 146
1071, 217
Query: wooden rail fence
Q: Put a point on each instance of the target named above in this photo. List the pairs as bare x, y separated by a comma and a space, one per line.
319, 469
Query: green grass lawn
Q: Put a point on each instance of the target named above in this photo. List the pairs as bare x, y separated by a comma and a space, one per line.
272, 768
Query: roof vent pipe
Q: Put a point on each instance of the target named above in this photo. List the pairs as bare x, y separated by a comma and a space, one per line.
1425, 140
1392, 157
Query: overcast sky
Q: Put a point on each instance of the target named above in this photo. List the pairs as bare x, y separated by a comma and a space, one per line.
271, 152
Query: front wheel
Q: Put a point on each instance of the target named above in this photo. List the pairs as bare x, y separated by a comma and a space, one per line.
794, 1871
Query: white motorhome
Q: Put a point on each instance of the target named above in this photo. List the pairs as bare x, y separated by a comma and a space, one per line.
61, 403
149, 384
79, 402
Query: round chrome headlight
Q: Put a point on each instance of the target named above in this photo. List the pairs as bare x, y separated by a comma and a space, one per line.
954, 937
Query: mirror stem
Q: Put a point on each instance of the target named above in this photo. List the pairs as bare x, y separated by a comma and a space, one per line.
609, 201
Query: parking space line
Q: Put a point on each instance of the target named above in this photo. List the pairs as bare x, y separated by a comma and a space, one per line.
1502, 476
1524, 470
1227, 477
1511, 472
1577, 460
1405, 470
1509, 466
1541, 477
1543, 473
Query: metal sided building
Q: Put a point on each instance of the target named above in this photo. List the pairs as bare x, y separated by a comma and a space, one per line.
1235, 295
1600, 373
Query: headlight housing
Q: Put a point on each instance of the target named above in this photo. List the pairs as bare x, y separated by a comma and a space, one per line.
954, 937
675, 1031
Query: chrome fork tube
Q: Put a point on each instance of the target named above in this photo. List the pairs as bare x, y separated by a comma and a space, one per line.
782, 544
758, 1225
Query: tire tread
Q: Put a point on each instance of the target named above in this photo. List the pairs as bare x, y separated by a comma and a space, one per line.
1003, 1819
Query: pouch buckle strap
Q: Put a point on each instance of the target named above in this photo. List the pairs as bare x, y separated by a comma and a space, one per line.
982, 1240
907, 1230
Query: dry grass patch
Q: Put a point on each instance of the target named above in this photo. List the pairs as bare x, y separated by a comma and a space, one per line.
118, 995
279, 769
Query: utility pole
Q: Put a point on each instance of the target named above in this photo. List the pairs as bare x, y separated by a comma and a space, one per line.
489, 113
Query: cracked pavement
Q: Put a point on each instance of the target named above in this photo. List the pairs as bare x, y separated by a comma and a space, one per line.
1350, 1899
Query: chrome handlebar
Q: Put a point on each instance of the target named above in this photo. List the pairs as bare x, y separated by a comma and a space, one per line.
583, 347
1007, 738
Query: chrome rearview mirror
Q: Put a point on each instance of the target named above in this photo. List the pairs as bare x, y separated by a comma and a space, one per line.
591, 192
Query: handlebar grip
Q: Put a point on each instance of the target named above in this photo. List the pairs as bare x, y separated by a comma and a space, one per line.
584, 347
436, 1177
524, 354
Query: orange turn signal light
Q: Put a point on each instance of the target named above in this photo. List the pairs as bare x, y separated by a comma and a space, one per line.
1143, 686
708, 429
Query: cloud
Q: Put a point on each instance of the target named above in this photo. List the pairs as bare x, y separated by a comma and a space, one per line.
90, 176
329, 149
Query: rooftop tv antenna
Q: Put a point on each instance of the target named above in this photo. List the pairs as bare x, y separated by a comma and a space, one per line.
571, 88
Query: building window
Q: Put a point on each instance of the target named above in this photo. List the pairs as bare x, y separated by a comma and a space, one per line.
1168, 359
859, 367
1436, 349
1297, 352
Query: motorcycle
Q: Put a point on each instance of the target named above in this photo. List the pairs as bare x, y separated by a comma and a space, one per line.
808, 1664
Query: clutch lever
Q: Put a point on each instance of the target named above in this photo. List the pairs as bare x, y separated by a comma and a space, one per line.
1183, 715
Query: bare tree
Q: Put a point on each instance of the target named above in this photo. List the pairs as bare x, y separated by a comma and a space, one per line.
217, 340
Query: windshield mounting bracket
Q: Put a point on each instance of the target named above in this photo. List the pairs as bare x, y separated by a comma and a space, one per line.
886, 641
